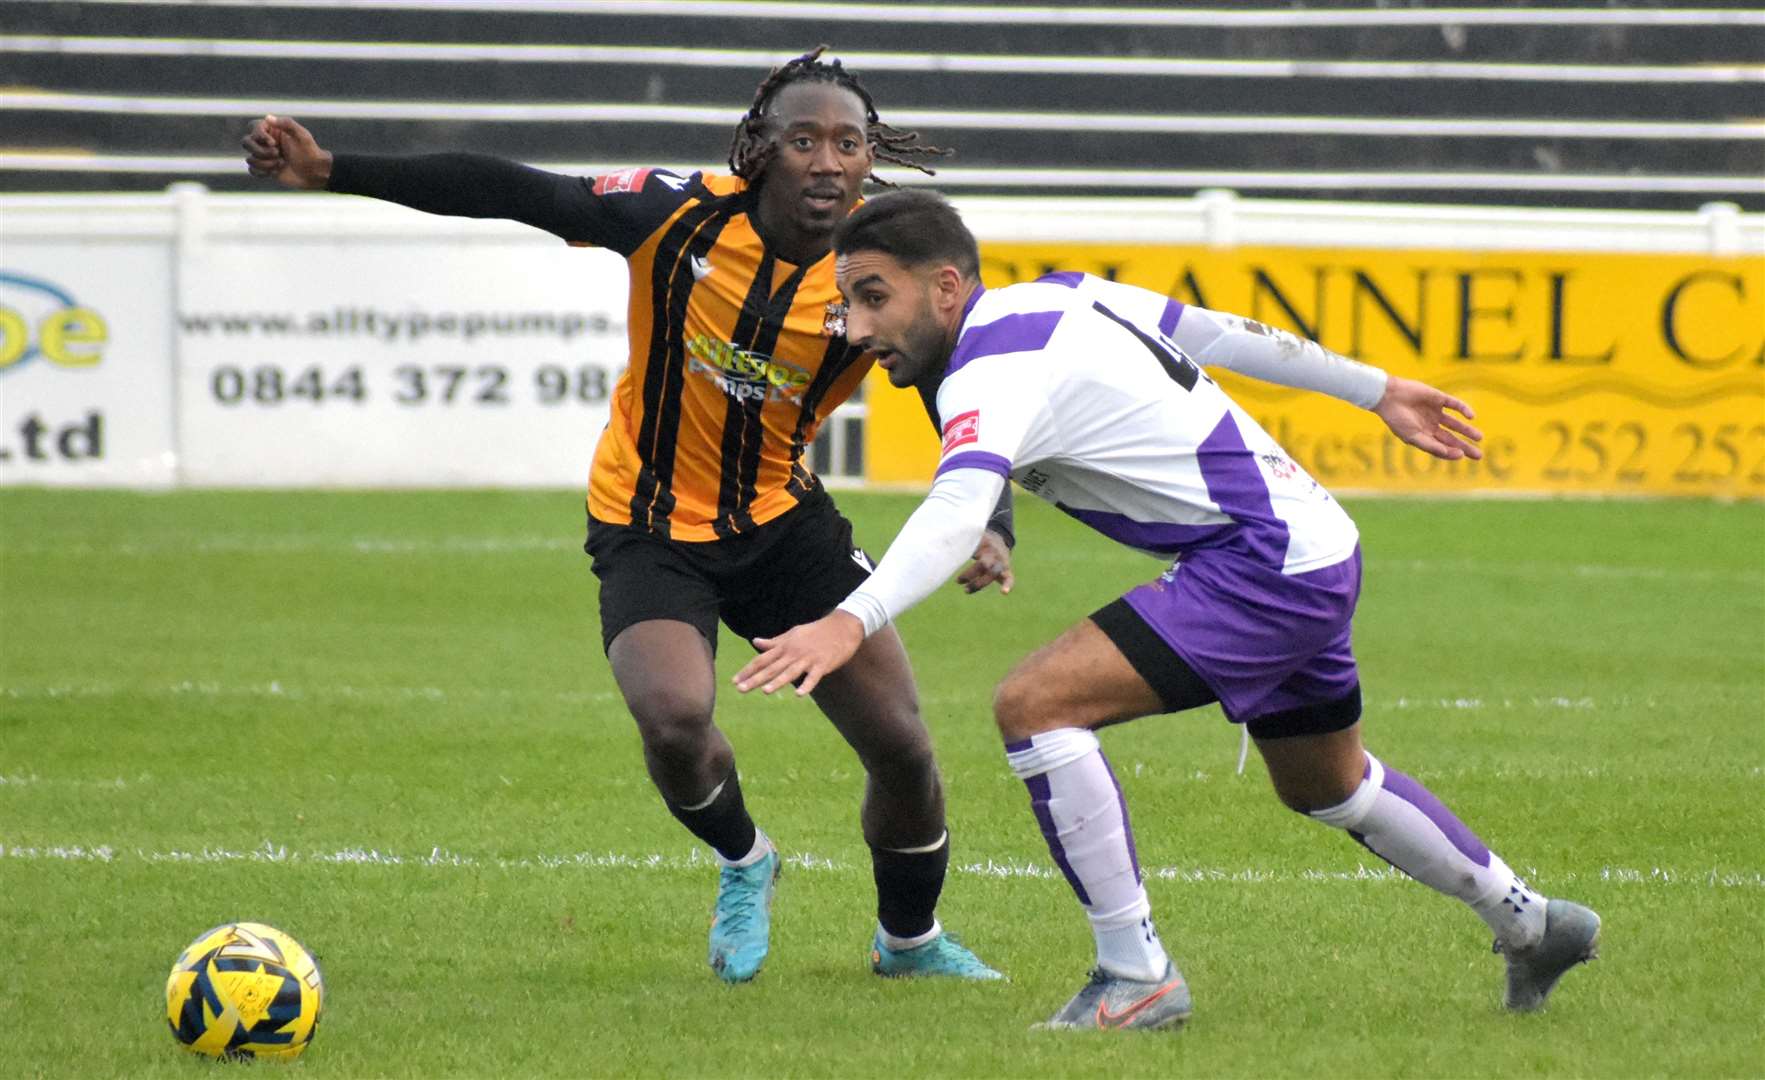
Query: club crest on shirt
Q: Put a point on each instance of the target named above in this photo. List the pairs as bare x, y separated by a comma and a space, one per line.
833, 323
962, 428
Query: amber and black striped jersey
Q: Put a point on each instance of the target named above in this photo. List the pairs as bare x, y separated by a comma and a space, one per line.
736, 356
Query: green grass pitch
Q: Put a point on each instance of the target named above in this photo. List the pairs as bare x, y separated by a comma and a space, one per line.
383, 723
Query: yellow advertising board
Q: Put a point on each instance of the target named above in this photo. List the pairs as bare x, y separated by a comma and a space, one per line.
1590, 373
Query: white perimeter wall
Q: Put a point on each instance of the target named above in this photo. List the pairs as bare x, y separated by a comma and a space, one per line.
316, 340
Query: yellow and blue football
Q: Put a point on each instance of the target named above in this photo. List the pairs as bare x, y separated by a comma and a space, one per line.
244, 990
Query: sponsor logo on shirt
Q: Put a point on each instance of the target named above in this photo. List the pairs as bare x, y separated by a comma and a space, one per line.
833, 323
963, 428
1286, 470
744, 374
618, 183
1280, 466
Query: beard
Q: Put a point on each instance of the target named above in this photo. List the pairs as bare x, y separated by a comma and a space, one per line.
921, 355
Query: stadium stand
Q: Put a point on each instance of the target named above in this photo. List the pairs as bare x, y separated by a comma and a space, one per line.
1609, 106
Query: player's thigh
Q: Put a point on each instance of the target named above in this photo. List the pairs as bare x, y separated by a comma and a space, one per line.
797, 568
806, 563
658, 624
1309, 730
666, 673
1080, 679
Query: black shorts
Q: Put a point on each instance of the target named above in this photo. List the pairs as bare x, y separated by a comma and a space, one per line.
1180, 687
793, 569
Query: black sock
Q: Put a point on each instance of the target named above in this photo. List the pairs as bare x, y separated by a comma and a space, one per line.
724, 823
907, 887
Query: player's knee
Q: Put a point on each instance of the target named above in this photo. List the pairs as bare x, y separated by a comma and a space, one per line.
905, 762
1296, 800
676, 756
673, 724
1015, 707
1312, 792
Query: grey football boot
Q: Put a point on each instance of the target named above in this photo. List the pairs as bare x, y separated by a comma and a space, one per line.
1571, 936
1110, 1001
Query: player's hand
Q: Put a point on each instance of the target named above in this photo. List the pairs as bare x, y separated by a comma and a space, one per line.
1418, 414
805, 652
992, 562
278, 148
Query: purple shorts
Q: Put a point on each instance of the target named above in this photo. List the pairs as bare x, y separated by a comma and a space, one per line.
1263, 641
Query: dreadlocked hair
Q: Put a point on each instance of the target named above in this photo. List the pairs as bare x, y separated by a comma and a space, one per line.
751, 150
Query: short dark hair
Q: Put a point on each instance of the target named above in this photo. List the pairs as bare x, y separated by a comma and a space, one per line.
915, 227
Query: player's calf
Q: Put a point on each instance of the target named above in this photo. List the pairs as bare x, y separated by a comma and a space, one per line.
1404, 824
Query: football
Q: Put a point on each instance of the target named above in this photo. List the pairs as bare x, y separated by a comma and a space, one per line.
244, 990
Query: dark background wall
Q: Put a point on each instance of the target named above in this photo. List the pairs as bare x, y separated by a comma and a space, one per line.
1602, 105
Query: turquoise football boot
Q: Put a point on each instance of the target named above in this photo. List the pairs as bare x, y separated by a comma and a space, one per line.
942, 955
741, 923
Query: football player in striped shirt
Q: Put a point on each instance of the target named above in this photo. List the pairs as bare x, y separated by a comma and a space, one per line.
1087, 393
701, 507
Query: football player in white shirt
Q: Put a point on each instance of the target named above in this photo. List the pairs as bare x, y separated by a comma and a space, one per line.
1088, 394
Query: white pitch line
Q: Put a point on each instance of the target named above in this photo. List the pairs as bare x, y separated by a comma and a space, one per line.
114, 783
279, 690
1472, 704
242, 544
1157, 773
271, 853
1558, 572
276, 689
245, 544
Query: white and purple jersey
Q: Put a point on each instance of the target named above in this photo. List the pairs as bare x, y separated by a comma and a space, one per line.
1077, 388
1087, 393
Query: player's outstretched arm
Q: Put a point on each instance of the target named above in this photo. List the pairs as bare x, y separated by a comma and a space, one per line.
279, 149
807, 652
1423, 417
1415, 412
929, 548
1273, 355
454, 184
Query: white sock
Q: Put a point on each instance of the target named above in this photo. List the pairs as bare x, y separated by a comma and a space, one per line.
1079, 806
899, 944
754, 855
1128, 945
1403, 823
